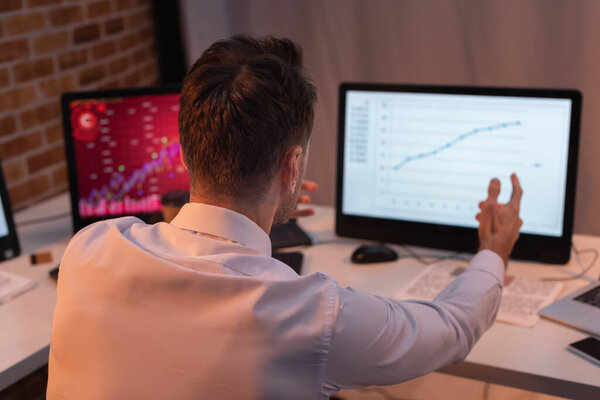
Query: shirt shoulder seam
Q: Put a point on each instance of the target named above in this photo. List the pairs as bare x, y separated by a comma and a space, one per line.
331, 315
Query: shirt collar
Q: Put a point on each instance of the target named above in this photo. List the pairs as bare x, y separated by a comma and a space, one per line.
224, 223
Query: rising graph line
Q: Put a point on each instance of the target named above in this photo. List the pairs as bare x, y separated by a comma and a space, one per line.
455, 141
120, 185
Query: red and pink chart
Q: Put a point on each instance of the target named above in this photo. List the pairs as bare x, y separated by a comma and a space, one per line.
127, 153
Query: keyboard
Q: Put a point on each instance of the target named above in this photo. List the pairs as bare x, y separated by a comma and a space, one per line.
591, 297
289, 235
293, 259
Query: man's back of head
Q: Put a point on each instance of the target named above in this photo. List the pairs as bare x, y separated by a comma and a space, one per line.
244, 102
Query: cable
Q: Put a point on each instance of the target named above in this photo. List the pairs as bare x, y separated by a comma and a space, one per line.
42, 220
423, 258
584, 269
408, 252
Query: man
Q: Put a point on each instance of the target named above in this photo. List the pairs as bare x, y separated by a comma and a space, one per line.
198, 309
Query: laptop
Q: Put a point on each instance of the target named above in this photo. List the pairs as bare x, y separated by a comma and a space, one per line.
580, 309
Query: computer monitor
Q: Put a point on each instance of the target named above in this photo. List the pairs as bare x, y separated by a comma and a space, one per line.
123, 155
414, 162
9, 242
122, 151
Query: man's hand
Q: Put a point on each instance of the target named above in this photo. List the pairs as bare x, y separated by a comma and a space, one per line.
308, 186
499, 223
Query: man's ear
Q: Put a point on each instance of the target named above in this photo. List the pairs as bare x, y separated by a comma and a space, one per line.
291, 165
183, 160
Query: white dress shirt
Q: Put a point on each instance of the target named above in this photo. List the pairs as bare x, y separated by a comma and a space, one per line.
198, 309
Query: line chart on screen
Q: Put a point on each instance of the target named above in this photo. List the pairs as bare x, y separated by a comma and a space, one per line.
442, 169
431, 158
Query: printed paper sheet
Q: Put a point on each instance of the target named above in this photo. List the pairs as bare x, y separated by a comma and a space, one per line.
522, 297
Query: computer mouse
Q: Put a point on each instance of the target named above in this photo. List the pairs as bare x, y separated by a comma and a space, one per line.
373, 253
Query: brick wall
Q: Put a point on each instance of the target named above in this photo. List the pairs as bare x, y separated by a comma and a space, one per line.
51, 46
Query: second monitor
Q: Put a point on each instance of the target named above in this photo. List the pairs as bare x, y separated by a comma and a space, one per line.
124, 157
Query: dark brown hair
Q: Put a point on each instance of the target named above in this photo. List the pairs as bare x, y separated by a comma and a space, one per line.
244, 102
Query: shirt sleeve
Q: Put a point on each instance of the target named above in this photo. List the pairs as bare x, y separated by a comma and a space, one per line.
382, 341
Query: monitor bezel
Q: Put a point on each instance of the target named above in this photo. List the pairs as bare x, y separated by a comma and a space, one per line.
9, 244
66, 99
547, 249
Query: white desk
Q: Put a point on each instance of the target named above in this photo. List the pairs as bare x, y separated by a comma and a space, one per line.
26, 321
532, 359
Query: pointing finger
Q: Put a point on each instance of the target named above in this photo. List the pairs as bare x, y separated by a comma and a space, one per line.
493, 190
309, 186
304, 199
517, 193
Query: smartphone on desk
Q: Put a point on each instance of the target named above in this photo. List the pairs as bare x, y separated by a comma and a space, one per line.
588, 348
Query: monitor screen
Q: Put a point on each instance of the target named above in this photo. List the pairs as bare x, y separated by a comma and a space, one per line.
424, 156
124, 151
429, 157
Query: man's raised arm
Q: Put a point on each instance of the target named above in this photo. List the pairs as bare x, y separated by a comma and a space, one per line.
381, 341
